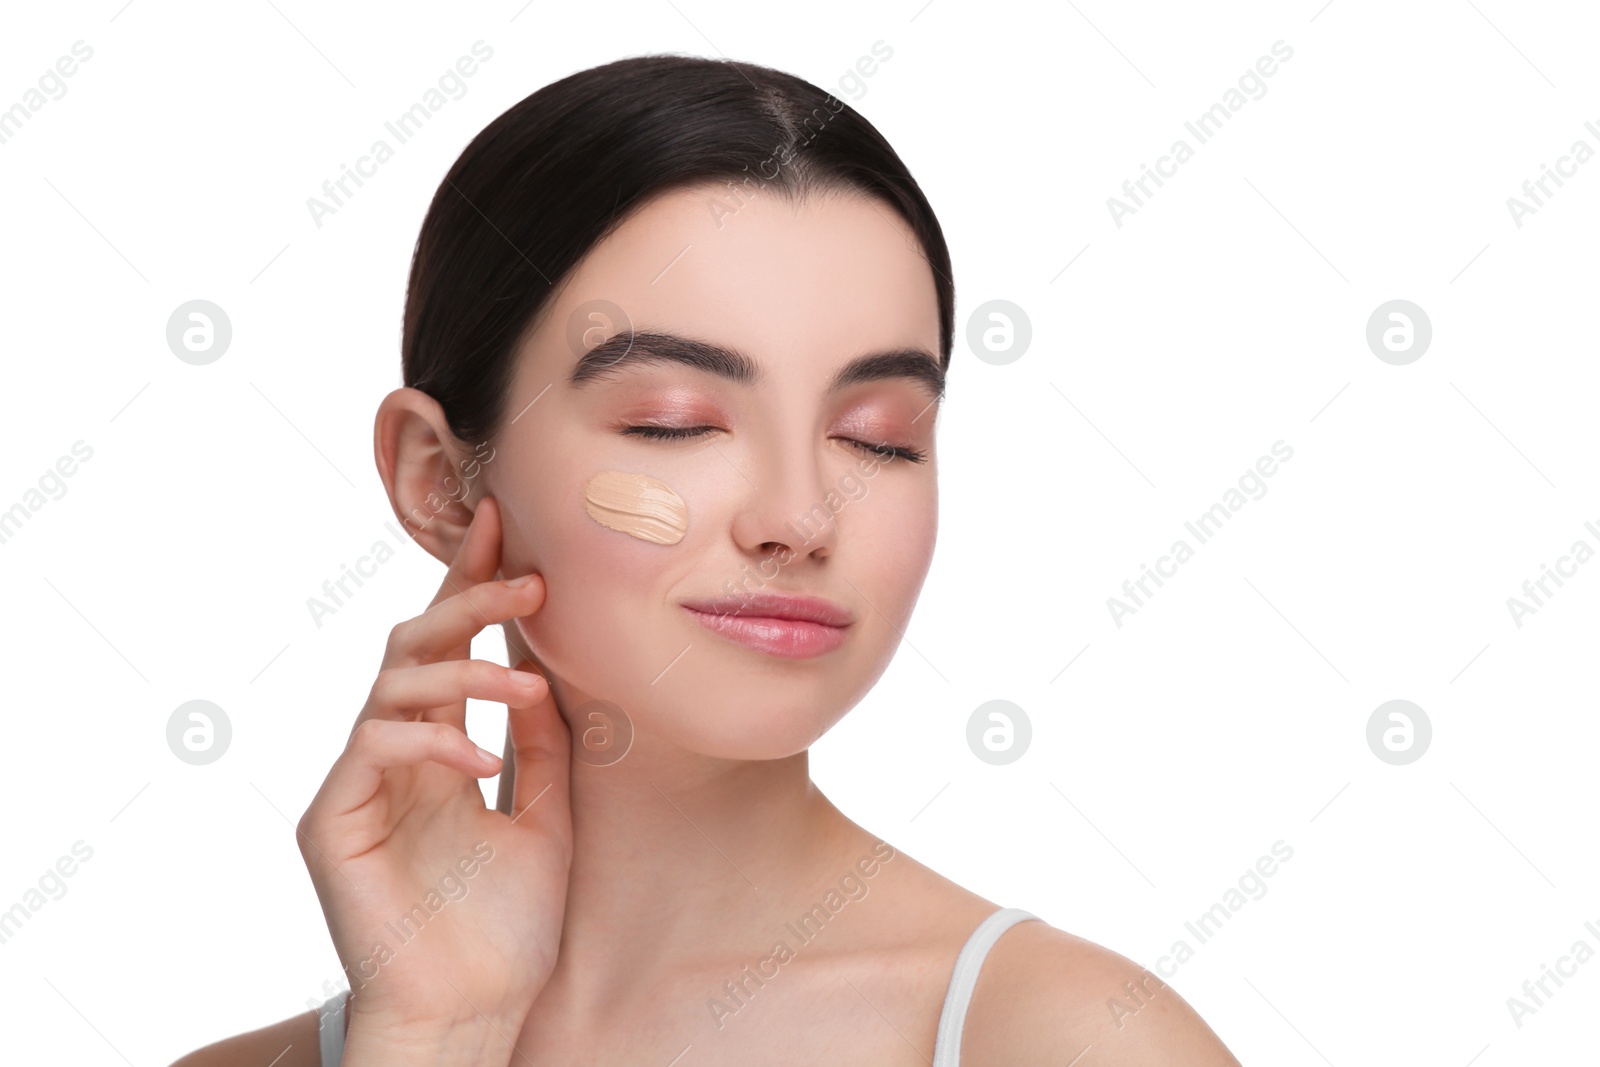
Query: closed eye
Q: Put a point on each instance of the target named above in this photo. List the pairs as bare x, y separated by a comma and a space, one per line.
886, 452
682, 433
671, 433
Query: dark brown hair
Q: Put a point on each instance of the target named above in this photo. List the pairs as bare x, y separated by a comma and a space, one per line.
558, 171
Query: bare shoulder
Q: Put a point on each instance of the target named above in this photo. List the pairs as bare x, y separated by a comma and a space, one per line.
290, 1043
1046, 996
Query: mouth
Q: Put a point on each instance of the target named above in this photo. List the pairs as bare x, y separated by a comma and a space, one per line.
793, 627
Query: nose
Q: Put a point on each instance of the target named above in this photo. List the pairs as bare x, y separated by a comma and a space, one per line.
787, 504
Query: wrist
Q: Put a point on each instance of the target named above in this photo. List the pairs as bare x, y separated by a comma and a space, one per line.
468, 1043
378, 1039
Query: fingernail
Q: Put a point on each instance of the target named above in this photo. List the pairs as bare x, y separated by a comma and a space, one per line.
528, 679
485, 755
518, 583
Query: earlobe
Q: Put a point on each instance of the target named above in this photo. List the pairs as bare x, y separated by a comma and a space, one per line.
418, 458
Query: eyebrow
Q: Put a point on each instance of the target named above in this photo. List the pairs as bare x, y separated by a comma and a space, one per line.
648, 346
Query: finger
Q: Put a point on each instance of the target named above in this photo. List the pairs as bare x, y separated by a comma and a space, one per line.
451, 624
405, 692
541, 763
478, 557
379, 745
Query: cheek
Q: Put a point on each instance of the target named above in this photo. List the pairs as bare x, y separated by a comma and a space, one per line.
638, 505
901, 531
607, 548
588, 529
592, 575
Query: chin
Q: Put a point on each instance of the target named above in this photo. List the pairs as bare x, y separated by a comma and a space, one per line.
766, 731
716, 699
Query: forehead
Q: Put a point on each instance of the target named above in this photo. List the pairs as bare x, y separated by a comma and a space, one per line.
801, 287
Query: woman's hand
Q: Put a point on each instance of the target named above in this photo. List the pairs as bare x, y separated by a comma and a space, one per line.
446, 914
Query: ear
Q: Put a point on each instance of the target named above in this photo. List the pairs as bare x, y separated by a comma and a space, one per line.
424, 470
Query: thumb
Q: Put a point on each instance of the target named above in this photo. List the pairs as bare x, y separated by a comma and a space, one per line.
538, 754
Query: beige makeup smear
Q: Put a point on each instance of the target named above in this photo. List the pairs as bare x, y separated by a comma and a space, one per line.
637, 505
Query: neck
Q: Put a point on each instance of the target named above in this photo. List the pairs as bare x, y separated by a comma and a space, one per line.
679, 857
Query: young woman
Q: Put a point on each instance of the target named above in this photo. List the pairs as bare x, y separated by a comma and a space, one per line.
675, 339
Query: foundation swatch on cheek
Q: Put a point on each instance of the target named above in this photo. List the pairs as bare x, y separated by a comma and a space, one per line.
637, 505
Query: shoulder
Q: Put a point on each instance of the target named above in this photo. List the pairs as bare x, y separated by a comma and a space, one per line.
290, 1043
1046, 996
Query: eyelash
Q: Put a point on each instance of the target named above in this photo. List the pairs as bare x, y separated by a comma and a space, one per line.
680, 433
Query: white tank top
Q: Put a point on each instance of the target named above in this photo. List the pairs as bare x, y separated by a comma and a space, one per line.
947, 1041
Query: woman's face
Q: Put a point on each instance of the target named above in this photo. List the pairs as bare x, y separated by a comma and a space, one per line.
782, 494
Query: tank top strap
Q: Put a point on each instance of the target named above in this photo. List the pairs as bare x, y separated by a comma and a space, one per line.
330, 1028
964, 977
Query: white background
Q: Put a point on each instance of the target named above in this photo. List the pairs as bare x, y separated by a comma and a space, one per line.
1228, 313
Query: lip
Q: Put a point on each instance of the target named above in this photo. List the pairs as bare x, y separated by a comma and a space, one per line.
793, 627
